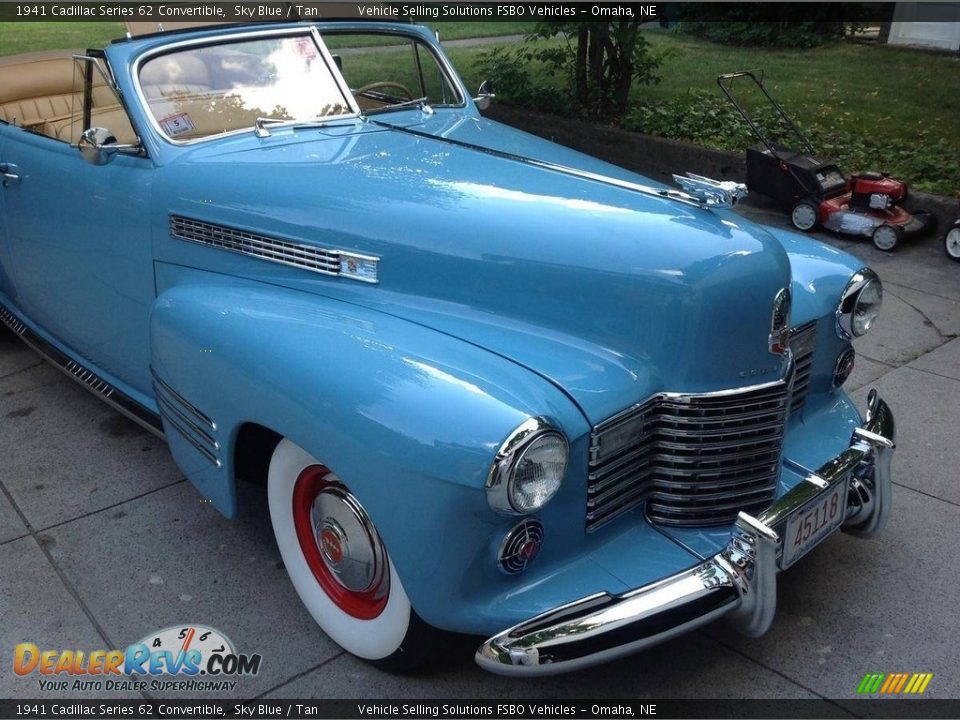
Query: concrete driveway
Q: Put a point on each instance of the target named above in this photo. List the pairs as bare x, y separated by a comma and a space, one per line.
102, 542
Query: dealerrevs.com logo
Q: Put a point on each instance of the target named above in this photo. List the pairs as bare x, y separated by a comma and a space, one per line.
179, 658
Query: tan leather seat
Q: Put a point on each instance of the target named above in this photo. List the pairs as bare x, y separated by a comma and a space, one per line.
39, 90
36, 87
113, 119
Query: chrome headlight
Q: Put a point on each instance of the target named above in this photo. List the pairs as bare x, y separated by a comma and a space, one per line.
859, 304
528, 469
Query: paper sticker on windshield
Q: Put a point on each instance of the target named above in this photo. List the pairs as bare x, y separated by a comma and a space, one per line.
178, 124
306, 48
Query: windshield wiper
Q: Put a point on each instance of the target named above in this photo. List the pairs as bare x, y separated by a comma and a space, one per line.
260, 126
421, 101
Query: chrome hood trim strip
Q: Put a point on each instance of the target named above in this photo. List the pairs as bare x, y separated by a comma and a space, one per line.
706, 202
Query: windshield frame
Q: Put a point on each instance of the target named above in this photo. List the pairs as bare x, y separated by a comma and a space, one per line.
287, 32
450, 75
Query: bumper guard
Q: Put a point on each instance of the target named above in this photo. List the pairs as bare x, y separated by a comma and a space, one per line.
740, 581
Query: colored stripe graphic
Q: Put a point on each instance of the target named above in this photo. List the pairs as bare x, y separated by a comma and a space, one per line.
870, 683
894, 683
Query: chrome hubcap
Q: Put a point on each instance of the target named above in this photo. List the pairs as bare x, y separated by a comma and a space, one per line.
348, 542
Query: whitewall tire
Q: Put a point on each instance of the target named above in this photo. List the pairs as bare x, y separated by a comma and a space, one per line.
324, 536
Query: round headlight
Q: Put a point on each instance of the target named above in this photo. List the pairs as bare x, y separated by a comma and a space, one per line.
528, 469
867, 307
859, 304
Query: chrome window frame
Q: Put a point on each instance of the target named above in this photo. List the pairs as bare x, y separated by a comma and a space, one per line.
249, 35
443, 63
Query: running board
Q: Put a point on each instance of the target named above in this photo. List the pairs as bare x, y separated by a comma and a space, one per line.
118, 400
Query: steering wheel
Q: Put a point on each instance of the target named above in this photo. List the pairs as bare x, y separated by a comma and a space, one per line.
386, 84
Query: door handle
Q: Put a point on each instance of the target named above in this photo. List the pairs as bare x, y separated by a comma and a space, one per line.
7, 172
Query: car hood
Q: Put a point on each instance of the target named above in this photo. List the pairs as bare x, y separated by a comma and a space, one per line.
609, 293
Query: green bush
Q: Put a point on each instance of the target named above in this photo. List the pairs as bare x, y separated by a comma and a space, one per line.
574, 69
927, 162
771, 34
795, 25
515, 81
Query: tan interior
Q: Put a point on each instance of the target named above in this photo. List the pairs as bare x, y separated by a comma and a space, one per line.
43, 93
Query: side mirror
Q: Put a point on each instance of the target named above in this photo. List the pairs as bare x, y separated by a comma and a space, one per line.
484, 95
98, 146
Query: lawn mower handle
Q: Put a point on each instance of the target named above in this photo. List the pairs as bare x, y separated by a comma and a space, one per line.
746, 116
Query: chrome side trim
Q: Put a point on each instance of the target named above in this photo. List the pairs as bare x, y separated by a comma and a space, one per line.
119, 401
739, 581
284, 252
185, 434
169, 409
12, 322
192, 424
183, 401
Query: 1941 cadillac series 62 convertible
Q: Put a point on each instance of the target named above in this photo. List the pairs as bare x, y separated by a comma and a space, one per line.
493, 386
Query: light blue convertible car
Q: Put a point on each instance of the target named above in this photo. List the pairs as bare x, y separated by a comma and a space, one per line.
492, 386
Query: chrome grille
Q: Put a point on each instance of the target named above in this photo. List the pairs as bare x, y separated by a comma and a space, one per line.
803, 339
285, 252
693, 459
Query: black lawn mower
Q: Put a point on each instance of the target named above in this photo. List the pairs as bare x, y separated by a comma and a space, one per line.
868, 204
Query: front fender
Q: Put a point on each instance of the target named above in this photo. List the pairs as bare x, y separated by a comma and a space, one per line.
410, 418
820, 273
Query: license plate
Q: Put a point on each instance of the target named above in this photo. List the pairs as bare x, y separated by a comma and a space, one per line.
811, 524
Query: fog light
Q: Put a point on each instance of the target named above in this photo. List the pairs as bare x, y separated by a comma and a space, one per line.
520, 546
844, 367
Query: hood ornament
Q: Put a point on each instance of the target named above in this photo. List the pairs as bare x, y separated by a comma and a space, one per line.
712, 193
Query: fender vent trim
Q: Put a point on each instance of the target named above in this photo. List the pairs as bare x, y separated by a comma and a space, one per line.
338, 263
190, 423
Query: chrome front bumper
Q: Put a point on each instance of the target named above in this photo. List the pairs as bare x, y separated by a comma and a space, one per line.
740, 581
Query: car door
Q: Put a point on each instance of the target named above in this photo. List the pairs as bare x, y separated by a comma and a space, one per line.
77, 255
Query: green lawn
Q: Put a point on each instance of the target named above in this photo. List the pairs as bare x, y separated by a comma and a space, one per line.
461, 30
880, 89
21, 37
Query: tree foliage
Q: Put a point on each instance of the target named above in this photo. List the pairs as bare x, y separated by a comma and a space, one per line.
598, 62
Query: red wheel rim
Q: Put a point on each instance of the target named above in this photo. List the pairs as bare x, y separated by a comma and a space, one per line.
363, 605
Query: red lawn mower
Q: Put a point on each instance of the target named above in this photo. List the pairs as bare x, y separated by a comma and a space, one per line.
867, 204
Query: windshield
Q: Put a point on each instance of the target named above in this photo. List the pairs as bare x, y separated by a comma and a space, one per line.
202, 91
387, 71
